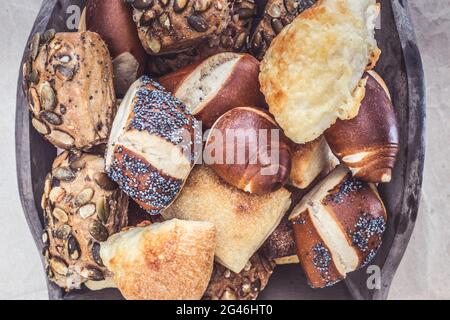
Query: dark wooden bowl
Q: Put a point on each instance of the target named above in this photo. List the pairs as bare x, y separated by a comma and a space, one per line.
400, 66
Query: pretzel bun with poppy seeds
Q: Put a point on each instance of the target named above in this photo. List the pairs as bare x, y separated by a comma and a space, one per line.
250, 150
216, 85
338, 227
150, 151
113, 21
369, 143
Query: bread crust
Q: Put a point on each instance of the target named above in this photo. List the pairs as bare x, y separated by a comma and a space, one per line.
309, 161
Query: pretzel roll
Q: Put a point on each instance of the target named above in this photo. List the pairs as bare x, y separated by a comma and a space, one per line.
368, 144
113, 21
249, 150
338, 227
216, 85
150, 152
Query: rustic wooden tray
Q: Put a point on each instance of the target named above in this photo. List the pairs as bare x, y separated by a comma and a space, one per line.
400, 66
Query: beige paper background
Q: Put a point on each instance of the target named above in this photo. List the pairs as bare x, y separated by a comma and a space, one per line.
424, 271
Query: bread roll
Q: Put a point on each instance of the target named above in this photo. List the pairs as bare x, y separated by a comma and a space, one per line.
82, 207
310, 81
176, 25
250, 150
234, 38
216, 85
243, 221
150, 151
113, 21
246, 285
368, 144
338, 227
309, 161
277, 14
70, 90
172, 260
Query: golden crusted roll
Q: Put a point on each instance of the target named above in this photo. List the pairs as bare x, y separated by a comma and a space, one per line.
69, 79
172, 260
243, 220
311, 74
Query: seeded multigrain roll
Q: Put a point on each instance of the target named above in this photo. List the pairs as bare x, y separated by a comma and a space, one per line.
82, 208
151, 152
246, 285
234, 38
277, 15
70, 89
176, 25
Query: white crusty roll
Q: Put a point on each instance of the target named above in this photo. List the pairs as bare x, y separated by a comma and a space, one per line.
338, 227
113, 21
249, 150
309, 161
243, 221
311, 74
172, 260
369, 143
150, 151
216, 85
